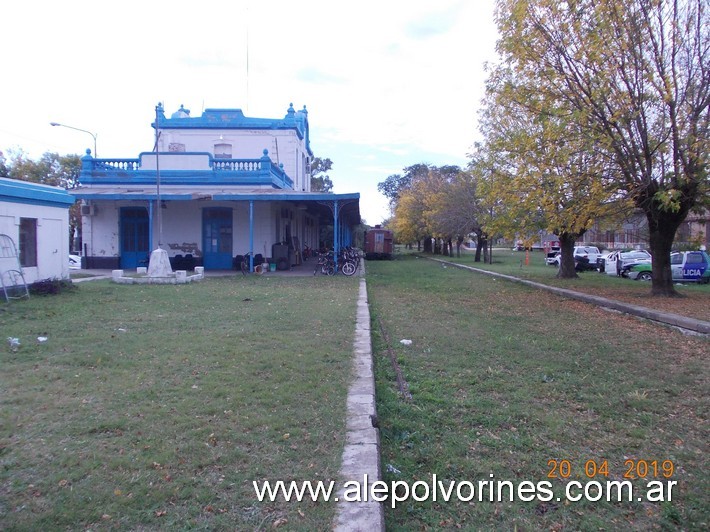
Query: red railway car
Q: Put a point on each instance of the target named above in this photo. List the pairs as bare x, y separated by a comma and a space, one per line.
378, 244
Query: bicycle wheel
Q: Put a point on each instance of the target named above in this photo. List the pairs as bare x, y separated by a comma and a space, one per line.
349, 268
330, 270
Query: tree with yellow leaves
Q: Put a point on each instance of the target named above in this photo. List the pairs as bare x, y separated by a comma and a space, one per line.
634, 80
542, 167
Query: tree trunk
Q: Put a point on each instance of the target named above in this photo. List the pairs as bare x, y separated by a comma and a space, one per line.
481, 244
427, 245
663, 222
567, 270
662, 234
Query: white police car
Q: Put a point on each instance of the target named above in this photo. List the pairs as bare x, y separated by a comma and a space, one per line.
614, 262
686, 267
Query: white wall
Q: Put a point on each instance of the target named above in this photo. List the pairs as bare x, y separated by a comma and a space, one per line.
284, 147
52, 238
182, 227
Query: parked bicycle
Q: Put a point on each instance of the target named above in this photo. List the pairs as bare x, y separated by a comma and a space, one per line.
348, 262
241, 262
244, 265
325, 264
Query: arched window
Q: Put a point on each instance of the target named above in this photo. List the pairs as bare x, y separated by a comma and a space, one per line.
222, 151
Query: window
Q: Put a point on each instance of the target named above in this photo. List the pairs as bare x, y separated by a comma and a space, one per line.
28, 242
222, 151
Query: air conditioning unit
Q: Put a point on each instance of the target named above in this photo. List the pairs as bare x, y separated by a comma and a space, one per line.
88, 210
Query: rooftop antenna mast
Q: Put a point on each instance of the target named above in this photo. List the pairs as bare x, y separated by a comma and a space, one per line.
247, 80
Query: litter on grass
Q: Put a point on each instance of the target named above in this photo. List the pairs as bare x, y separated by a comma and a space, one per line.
392, 469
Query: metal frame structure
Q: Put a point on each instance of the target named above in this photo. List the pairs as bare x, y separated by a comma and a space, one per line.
12, 280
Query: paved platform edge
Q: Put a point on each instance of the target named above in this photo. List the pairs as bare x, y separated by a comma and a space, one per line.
361, 455
666, 318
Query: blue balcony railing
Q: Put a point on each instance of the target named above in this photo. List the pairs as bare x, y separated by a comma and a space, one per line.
184, 169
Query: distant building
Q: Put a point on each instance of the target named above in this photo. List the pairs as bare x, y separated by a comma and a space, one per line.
633, 232
36, 218
216, 187
695, 229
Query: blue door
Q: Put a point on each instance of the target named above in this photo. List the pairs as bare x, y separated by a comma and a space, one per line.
217, 238
134, 237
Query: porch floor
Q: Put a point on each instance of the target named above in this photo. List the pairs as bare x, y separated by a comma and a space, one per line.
303, 269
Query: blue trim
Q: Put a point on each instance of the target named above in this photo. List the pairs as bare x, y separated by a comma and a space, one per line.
235, 119
251, 235
15, 191
235, 196
243, 172
150, 224
336, 234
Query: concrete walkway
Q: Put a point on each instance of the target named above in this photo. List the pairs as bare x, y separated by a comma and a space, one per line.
666, 318
361, 455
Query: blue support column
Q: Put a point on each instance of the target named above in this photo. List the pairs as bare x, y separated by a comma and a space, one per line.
251, 235
336, 229
150, 224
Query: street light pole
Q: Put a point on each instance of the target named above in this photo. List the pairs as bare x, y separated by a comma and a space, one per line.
93, 135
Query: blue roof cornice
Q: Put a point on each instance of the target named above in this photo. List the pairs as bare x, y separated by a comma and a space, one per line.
235, 119
16, 191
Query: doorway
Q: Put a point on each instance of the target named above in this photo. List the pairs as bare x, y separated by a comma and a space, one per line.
134, 236
217, 238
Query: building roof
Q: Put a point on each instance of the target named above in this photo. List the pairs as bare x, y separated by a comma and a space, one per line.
348, 204
16, 191
234, 119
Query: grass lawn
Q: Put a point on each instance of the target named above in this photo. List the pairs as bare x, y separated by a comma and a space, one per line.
695, 302
510, 381
155, 407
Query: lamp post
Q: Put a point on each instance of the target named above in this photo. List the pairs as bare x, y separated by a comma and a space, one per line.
93, 135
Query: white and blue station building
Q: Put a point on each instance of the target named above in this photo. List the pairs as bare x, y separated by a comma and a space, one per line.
214, 188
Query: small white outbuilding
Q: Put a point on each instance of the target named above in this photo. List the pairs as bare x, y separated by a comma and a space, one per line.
36, 218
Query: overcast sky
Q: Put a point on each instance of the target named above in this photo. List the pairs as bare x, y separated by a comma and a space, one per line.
387, 84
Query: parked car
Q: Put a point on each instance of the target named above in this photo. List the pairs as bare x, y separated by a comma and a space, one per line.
585, 256
74, 262
613, 262
686, 267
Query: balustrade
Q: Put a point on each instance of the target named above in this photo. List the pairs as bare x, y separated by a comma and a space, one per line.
105, 170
